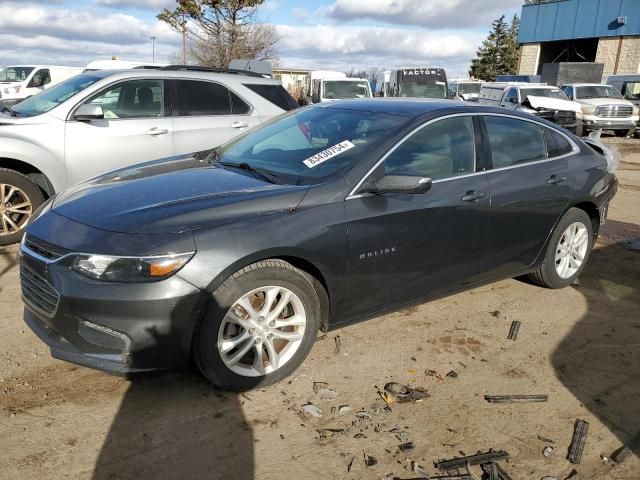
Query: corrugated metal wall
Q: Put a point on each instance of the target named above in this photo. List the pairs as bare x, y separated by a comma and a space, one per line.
567, 19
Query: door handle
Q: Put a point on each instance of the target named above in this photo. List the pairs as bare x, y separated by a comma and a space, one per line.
155, 131
239, 125
555, 180
472, 196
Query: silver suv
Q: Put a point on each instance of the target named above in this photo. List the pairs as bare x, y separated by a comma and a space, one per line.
104, 120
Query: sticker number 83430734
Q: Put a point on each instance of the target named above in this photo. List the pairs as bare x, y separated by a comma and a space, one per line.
331, 152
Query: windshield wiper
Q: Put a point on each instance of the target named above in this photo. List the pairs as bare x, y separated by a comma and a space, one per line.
266, 175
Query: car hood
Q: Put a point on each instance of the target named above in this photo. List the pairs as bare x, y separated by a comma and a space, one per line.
596, 102
173, 196
554, 103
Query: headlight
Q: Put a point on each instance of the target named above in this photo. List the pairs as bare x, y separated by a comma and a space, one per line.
588, 109
12, 90
130, 269
636, 111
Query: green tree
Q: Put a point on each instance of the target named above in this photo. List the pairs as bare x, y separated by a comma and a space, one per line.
498, 54
217, 31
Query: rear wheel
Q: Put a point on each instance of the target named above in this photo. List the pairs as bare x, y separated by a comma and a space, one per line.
624, 133
19, 198
567, 252
259, 326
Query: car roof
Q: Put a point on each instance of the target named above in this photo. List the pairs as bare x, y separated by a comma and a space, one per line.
250, 77
412, 107
586, 85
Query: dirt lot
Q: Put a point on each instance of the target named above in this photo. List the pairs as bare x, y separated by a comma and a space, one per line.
581, 346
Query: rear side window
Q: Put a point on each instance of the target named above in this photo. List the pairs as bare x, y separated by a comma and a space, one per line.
557, 145
514, 141
202, 98
275, 94
238, 106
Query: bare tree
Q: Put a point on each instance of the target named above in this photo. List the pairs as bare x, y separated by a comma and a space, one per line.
218, 31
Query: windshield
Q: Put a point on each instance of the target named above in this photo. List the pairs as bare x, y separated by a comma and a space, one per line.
632, 91
423, 89
309, 145
51, 98
466, 88
346, 89
15, 74
542, 92
597, 91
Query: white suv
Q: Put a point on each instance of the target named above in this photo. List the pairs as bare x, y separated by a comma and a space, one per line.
603, 108
104, 120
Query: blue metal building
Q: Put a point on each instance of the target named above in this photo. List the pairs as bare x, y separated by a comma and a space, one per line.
603, 31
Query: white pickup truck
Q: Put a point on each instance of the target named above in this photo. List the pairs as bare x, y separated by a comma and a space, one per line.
603, 107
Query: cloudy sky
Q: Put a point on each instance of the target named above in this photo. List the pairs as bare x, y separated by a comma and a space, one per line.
327, 34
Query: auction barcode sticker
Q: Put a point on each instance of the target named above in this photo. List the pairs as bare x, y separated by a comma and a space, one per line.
325, 155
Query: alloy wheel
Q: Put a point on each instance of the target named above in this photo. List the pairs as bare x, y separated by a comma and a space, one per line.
571, 250
262, 331
15, 209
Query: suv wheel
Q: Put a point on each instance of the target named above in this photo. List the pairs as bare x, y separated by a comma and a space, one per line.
259, 327
567, 252
19, 198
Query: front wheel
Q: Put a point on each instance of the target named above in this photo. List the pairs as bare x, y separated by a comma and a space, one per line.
624, 133
19, 198
259, 326
567, 252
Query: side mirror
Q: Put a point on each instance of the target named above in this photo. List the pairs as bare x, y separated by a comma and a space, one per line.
88, 112
411, 184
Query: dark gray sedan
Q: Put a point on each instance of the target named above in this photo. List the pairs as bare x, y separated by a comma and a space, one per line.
238, 256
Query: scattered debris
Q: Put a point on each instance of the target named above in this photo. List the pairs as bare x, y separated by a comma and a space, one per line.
327, 394
403, 393
605, 459
452, 374
545, 439
386, 397
477, 459
623, 453
549, 478
513, 331
547, 451
494, 471
417, 468
515, 398
572, 474
363, 414
312, 410
576, 283
317, 386
495, 313
411, 371
350, 464
344, 409
338, 344
433, 373
370, 461
405, 447
576, 448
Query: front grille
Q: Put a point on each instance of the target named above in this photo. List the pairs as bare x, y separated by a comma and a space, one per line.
44, 249
37, 293
614, 111
561, 117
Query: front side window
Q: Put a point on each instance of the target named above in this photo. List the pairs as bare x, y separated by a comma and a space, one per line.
308, 145
512, 96
597, 91
197, 98
40, 78
445, 148
15, 74
514, 141
632, 91
568, 91
54, 96
132, 99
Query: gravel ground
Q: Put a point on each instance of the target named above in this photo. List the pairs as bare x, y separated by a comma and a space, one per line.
579, 345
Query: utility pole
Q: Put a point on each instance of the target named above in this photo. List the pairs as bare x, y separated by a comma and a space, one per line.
153, 48
184, 39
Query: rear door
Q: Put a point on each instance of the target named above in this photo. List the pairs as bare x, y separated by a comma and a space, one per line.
135, 129
531, 186
404, 247
207, 114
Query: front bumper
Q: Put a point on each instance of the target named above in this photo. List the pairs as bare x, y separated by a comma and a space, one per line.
609, 124
120, 328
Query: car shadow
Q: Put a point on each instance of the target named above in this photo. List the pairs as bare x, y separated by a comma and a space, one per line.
599, 360
177, 426
8, 261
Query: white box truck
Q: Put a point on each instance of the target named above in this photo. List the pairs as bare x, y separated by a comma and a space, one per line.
328, 86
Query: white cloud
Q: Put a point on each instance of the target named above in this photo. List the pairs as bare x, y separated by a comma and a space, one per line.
426, 13
301, 14
157, 5
271, 5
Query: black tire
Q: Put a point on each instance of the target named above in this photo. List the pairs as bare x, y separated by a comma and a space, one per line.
624, 133
35, 196
546, 274
579, 131
264, 273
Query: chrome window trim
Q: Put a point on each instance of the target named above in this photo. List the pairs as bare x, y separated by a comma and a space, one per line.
574, 145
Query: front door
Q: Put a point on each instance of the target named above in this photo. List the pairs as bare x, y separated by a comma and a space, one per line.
531, 186
135, 129
403, 247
